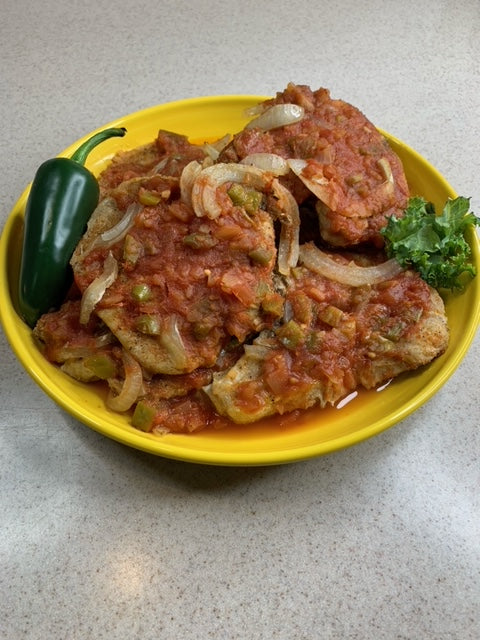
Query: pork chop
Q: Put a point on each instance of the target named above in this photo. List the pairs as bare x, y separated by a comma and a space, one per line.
186, 285
168, 154
340, 157
337, 338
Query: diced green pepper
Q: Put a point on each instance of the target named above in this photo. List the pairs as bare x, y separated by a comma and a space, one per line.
245, 197
303, 308
291, 335
331, 315
148, 324
102, 365
314, 340
148, 198
260, 256
273, 304
143, 416
141, 292
199, 241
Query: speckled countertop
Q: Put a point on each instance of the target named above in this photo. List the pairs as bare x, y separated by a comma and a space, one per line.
98, 541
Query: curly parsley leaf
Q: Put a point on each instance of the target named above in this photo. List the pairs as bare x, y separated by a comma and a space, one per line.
434, 245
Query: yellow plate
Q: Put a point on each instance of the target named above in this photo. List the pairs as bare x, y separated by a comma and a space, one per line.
317, 432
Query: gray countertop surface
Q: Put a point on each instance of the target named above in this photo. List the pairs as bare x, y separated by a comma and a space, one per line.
378, 541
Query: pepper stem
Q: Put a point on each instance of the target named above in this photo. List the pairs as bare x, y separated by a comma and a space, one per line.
84, 149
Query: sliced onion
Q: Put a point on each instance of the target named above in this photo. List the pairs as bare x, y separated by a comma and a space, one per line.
84, 350
119, 231
211, 151
261, 346
187, 178
279, 115
271, 162
132, 386
214, 149
349, 274
160, 166
255, 110
266, 338
317, 185
171, 340
96, 289
287, 311
384, 165
389, 184
288, 245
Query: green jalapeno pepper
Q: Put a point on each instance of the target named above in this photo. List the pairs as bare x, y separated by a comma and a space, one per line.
63, 196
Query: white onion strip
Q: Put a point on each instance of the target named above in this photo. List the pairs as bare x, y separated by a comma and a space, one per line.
83, 351
255, 110
279, 115
349, 274
132, 386
389, 184
317, 185
160, 166
96, 289
172, 341
119, 231
214, 149
288, 245
270, 162
187, 178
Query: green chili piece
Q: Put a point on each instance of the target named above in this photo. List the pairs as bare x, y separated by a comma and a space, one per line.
273, 304
148, 324
199, 241
62, 197
291, 335
101, 365
303, 306
331, 315
260, 256
245, 197
394, 332
314, 340
143, 416
148, 198
141, 292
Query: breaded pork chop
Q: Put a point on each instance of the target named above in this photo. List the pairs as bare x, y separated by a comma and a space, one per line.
336, 339
340, 157
186, 285
167, 154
